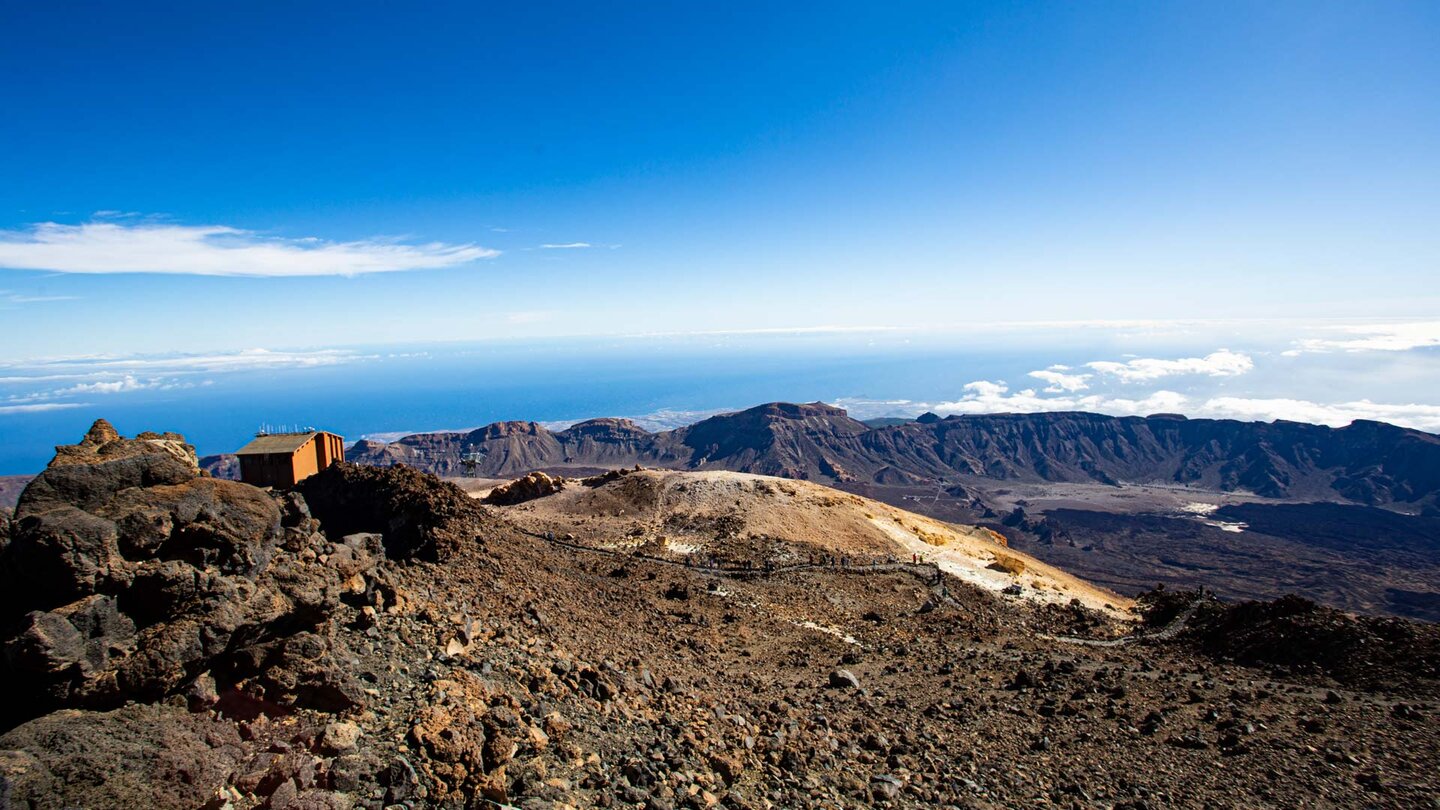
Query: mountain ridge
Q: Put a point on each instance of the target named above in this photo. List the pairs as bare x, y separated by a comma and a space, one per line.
1370, 463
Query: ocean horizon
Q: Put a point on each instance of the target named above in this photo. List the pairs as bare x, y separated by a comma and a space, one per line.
219, 400
385, 392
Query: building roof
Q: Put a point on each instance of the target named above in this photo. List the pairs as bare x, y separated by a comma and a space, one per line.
276, 443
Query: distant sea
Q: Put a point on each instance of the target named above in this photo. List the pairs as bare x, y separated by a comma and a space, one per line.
218, 400
414, 389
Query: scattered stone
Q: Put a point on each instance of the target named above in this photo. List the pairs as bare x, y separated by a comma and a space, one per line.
886, 787
339, 738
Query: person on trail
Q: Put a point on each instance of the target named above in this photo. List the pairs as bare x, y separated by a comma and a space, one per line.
914, 559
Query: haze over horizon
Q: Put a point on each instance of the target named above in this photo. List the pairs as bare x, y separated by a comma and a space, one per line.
1219, 209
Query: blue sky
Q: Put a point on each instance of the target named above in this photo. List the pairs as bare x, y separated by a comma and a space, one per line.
192, 177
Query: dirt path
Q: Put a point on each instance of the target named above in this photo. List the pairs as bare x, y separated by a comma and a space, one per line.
1169, 631
929, 573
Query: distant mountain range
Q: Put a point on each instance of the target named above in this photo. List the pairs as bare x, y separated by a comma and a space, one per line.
1370, 463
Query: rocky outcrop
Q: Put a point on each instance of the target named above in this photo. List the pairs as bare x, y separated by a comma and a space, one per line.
419, 517
128, 575
535, 485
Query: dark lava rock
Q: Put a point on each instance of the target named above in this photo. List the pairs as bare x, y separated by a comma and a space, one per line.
1298, 634
151, 756
128, 574
419, 515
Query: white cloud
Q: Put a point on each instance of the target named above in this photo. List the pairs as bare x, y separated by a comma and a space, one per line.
40, 406
1060, 382
984, 396
1396, 337
119, 375
1420, 417
126, 383
1222, 363
773, 330
31, 379
1158, 402
103, 375
121, 385
214, 250
244, 360
565, 246
12, 297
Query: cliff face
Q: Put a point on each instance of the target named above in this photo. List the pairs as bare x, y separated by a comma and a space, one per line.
1367, 462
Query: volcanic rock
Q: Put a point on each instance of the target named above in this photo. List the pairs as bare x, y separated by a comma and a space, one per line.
535, 485
129, 574
151, 756
418, 516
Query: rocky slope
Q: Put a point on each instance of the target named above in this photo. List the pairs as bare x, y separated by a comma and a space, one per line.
1102, 496
1367, 462
724, 518
383, 639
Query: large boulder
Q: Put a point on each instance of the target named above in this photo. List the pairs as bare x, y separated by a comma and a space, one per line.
128, 574
420, 516
151, 756
532, 486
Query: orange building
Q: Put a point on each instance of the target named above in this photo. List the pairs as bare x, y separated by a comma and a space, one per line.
285, 459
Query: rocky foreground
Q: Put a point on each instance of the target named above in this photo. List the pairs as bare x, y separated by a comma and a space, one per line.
380, 639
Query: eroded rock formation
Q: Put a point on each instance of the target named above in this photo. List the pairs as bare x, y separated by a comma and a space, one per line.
129, 574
